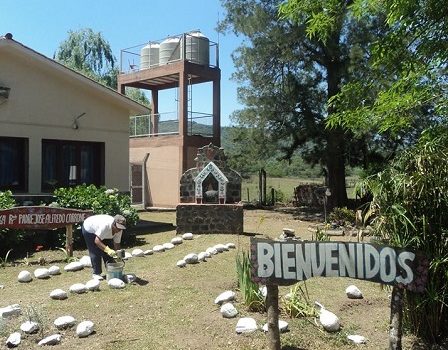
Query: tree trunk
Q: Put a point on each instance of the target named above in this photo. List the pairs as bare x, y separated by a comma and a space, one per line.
335, 137
336, 169
396, 319
272, 309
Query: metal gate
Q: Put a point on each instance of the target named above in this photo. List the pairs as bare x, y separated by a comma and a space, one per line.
136, 172
137, 182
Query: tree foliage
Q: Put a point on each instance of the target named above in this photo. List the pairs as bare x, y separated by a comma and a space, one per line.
410, 199
407, 71
90, 53
288, 70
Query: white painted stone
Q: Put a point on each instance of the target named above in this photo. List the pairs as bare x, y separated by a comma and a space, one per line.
187, 236
138, 252
41, 273
84, 329
181, 263
211, 251
288, 231
357, 339
58, 294
64, 322
168, 246
148, 252
329, 320
51, 340
54, 270
246, 325
2, 286
228, 310
158, 248
116, 283
282, 326
177, 240
230, 245
29, 327
10, 310
207, 255
127, 255
129, 278
220, 248
353, 292
13, 340
201, 256
263, 290
228, 295
24, 276
73, 266
78, 288
86, 261
191, 258
93, 284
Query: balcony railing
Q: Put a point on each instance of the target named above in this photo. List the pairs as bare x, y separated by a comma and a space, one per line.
168, 124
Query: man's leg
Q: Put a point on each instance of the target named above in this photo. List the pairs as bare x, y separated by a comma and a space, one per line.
94, 252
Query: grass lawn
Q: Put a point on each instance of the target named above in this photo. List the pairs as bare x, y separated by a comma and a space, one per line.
174, 308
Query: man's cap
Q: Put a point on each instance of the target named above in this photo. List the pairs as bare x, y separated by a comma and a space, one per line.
120, 222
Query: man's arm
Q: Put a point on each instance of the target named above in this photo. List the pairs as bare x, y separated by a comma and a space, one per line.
99, 243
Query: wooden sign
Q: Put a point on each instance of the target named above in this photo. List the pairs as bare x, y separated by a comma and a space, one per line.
41, 217
284, 263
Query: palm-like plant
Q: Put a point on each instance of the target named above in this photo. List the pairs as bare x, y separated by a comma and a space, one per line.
410, 199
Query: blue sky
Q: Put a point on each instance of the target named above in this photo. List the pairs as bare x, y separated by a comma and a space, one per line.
43, 25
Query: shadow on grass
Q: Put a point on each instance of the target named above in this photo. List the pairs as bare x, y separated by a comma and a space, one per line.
287, 347
149, 227
304, 213
141, 282
250, 234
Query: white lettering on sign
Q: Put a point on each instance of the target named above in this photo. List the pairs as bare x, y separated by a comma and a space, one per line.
265, 252
2, 219
297, 261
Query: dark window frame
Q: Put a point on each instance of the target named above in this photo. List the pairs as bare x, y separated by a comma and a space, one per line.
75, 149
21, 144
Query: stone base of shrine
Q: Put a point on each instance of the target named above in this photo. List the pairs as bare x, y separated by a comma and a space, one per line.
209, 218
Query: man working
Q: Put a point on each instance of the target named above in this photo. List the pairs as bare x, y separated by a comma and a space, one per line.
99, 231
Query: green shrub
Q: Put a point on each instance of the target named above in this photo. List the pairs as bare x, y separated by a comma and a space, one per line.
252, 296
410, 200
298, 304
343, 216
9, 238
99, 199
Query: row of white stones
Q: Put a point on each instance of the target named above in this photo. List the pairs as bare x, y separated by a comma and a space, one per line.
194, 258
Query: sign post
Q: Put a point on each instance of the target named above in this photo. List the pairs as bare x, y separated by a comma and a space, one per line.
286, 262
44, 218
272, 309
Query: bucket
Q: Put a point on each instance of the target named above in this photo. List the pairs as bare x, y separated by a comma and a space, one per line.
115, 270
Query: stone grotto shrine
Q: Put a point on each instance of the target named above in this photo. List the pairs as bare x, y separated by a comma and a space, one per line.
210, 195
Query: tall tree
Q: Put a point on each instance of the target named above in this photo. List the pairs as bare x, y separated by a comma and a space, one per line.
90, 53
287, 77
406, 80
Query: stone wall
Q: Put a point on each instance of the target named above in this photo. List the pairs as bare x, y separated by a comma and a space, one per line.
209, 218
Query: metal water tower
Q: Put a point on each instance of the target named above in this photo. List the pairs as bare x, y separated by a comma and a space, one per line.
182, 61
